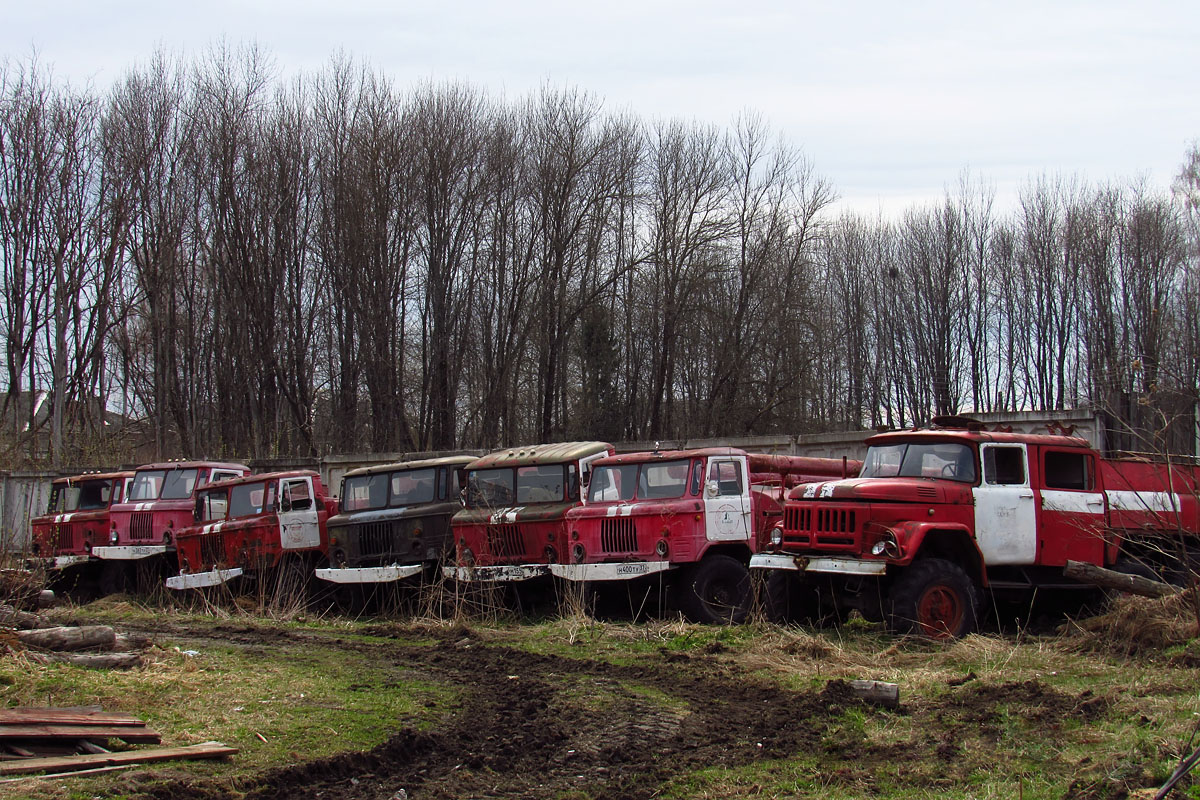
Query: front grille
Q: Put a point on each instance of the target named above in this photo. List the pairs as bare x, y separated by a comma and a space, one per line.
211, 551
815, 525
504, 541
375, 538
63, 537
141, 525
618, 535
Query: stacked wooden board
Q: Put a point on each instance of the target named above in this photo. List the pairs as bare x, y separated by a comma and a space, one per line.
67, 739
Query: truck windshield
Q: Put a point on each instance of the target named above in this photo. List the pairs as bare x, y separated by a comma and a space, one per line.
365, 492
162, 484
657, 480
490, 488
507, 486
85, 496
413, 486
246, 499
950, 460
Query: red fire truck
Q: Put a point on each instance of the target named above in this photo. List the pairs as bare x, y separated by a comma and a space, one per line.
76, 519
692, 517
247, 525
159, 503
513, 525
938, 516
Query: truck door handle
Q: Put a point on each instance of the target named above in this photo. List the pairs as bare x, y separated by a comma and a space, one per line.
1028, 496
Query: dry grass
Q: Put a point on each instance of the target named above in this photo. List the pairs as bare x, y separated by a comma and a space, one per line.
1138, 625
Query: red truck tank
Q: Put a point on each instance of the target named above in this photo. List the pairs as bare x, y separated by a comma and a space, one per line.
938, 516
76, 518
513, 525
159, 504
247, 525
693, 515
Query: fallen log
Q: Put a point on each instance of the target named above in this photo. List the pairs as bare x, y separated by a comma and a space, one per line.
1117, 581
15, 618
877, 692
206, 750
84, 637
89, 660
131, 641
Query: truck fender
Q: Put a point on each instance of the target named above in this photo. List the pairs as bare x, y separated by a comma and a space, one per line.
952, 542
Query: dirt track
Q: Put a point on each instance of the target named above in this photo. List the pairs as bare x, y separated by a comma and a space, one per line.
546, 726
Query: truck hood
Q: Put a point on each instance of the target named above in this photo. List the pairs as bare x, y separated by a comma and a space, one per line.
389, 514
895, 490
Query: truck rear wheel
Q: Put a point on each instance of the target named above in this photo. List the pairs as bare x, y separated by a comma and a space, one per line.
936, 598
787, 599
715, 591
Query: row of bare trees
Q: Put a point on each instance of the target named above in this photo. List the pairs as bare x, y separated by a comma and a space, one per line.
249, 266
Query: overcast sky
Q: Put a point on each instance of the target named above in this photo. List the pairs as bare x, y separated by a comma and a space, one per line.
891, 101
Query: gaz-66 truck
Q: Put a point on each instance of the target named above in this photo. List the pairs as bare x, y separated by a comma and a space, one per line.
249, 525
76, 520
144, 525
692, 517
394, 521
941, 515
513, 526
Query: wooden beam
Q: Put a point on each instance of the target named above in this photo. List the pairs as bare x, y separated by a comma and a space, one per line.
23, 716
205, 750
1118, 581
141, 735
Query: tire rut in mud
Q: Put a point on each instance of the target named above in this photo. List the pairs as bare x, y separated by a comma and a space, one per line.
536, 725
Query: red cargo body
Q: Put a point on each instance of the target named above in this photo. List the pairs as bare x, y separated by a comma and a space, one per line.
692, 516
77, 517
513, 525
248, 524
939, 516
159, 504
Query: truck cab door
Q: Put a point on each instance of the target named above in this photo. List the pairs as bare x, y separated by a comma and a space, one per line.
1071, 515
1005, 514
297, 514
727, 500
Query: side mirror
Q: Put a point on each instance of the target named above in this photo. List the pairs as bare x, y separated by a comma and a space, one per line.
712, 489
285, 505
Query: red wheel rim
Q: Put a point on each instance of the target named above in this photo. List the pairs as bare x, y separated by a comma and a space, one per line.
939, 612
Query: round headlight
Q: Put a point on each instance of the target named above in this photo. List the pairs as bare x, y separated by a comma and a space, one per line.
578, 553
661, 548
777, 536
112, 537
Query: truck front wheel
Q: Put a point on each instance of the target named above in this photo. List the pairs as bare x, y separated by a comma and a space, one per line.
715, 591
935, 598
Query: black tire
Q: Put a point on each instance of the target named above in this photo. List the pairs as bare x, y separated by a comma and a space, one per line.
936, 598
115, 578
786, 599
716, 591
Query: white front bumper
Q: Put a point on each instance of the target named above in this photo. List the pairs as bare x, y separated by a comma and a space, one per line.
508, 572
368, 574
62, 562
202, 580
624, 571
128, 552
839, 566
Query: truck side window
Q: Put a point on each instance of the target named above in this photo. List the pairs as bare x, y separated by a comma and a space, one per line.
728, 477
697, 478
296, 492
1067, 471
1004, 466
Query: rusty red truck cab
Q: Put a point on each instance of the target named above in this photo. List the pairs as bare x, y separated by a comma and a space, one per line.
247, 525
692, 517
513, 524
159, 504
394, 520
940, 515
76, 518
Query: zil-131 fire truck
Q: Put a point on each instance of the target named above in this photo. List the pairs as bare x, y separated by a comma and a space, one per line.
939, 516
689, 517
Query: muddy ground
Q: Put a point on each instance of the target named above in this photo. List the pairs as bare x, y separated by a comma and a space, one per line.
548, 726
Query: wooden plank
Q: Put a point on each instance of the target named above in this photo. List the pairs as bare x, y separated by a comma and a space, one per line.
206, 750
25, 716
129, 733
75, 774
